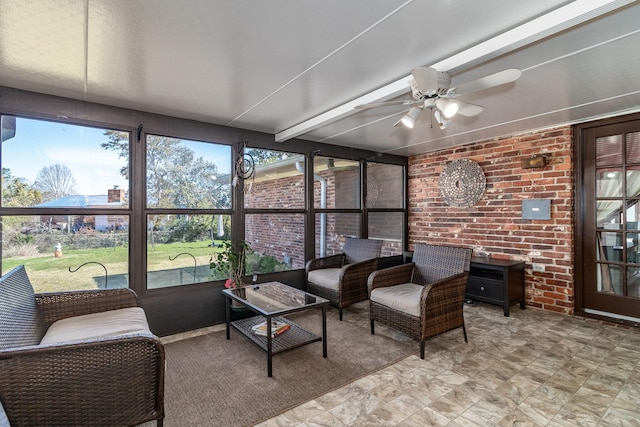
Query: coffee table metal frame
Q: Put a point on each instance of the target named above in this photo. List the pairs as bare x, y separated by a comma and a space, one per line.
294, 337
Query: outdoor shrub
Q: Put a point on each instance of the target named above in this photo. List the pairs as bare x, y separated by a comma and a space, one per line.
270, 264
190, 230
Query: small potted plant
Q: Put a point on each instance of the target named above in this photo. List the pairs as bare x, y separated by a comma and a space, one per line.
231, 261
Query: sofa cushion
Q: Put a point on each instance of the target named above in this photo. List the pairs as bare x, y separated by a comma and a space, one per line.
404, 297
106, 324
325, 277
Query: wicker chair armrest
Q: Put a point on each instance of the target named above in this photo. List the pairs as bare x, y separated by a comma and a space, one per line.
440, 297
356, 274
331, 261
108, 381
60, 305
390, 276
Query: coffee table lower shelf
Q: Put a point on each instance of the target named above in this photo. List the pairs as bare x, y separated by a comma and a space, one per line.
293, 337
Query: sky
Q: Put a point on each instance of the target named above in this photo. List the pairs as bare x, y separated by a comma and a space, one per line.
39, 143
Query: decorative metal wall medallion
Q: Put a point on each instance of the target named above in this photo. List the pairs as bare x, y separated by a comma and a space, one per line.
462, 183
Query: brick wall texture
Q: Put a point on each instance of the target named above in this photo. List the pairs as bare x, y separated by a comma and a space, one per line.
494, 226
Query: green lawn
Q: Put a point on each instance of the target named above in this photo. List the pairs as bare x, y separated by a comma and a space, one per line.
49, 274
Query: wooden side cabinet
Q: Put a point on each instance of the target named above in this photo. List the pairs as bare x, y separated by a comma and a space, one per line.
496, 281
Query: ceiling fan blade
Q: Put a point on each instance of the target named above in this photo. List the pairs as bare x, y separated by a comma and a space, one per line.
468, 109
501, 77
386, 103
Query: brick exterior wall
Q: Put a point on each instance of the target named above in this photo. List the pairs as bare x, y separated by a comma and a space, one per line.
282, 235
279, 235
494, 226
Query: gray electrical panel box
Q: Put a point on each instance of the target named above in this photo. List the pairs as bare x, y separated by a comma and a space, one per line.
536, 209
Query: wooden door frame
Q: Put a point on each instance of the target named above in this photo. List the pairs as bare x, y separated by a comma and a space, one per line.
579, 132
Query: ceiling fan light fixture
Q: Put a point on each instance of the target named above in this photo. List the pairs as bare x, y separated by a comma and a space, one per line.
448, 108
409, 120
442, 123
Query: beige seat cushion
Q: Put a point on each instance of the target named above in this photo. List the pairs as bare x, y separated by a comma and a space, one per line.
97, 325
325, 277
404, 297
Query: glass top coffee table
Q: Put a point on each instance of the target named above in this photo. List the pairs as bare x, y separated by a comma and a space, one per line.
271, 301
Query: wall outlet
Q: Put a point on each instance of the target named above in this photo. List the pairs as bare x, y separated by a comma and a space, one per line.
538, 268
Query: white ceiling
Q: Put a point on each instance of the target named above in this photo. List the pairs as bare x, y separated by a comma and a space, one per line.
271, 65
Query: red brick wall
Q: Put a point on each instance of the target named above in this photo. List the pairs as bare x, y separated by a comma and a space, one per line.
494, 226
279, 235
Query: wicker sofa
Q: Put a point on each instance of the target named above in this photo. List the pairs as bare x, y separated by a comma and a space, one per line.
82, 358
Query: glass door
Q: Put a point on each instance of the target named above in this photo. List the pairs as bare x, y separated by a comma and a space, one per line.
610, 235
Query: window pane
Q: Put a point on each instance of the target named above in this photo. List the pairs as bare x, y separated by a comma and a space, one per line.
277, 241
609, 182
385, 186
59, 165
609, 278
633, 215
633, 147
633, 281
336, 183
609, 214
67, 252
609, 150
332, 228
633, 248
179, 248
278, 181
387, 226
610, 246
187, 174
633, 181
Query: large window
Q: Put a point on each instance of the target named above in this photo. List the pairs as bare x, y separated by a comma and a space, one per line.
337, 198
341, 196
336, 183
86, 207
65, 197
274, 200
276, 181
277, 241
188, 190
385, 204
95, 197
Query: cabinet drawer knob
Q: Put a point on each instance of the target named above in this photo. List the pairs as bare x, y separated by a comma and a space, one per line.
482, 288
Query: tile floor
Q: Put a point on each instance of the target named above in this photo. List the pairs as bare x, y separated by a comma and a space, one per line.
534, 368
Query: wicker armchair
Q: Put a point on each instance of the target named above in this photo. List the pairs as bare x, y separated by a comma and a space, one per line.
425, 297
342, 278
107, 380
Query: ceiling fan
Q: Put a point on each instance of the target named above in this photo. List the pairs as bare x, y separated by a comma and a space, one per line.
431, 90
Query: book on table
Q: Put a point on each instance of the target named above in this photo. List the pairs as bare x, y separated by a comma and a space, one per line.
277, 327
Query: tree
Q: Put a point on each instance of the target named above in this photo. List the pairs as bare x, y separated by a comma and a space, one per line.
18, 193
55, 181
176, 177
118, 142
263, 157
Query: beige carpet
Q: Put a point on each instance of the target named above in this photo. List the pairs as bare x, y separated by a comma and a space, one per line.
212, 381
